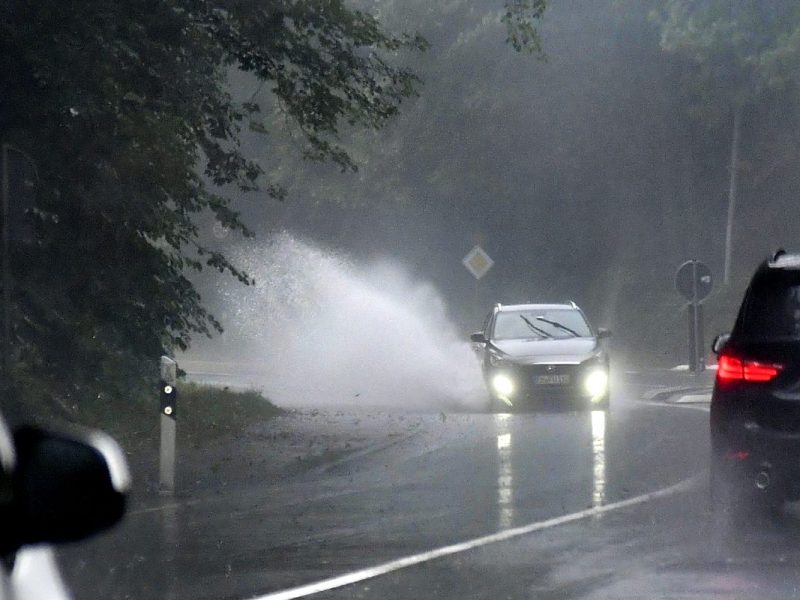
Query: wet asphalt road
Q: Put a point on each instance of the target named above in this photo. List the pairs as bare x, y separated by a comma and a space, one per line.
412, 483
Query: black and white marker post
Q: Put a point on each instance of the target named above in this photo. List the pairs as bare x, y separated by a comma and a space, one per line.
694, 282
169, 396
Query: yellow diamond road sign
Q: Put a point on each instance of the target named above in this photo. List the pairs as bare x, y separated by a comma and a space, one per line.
478, 262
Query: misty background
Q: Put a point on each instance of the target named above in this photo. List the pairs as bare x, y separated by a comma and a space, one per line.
588, 176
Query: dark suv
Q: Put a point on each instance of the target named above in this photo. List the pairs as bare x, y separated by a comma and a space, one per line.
755, 406
543, 356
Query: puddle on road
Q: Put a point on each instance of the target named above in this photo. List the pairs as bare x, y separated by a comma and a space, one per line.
505, 497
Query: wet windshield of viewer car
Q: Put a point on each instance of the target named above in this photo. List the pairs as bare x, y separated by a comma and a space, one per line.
253, 240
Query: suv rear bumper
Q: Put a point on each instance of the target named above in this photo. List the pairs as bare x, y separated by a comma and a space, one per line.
763, 460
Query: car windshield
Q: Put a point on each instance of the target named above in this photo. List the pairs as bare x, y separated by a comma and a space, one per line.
256, 242
560, 323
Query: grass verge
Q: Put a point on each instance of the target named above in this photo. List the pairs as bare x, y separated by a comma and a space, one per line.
207, 413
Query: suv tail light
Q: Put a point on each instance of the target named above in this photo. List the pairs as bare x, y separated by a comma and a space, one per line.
731, 368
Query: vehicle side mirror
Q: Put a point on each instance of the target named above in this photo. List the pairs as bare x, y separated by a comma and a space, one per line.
719, 342
603, 333
65, 487
478, 337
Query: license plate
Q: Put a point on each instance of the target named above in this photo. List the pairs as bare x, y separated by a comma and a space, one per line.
551, 379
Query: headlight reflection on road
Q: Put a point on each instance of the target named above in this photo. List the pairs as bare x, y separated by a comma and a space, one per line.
598, 457
505, 472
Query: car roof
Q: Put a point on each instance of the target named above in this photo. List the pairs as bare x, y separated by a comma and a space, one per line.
782, 260
513, 307
776, 269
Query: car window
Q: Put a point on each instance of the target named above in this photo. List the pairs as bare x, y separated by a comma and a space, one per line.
540, 324
772, 311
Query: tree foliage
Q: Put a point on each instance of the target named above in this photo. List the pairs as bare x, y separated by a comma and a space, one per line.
520, 18
124, 108
585, 177
742, 50
744, 54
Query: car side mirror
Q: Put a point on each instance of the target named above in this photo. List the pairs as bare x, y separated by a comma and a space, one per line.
719, 342
603, 333
478, 337
65, 487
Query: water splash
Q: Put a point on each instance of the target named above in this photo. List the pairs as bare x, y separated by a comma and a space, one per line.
321, 330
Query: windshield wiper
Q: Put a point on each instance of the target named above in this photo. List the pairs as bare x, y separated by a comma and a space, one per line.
541, 332
559, 325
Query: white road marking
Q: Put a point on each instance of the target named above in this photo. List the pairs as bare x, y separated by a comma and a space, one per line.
702, 407
501, 536
664, 392
694, 399
163, 507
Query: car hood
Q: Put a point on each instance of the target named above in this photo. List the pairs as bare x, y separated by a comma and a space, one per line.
535, 351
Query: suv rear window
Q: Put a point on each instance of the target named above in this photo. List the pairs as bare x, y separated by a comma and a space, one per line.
773, 309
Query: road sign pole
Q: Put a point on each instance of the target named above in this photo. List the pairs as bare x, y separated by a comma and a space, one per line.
700, 338
694, 282
698, 366
692, 313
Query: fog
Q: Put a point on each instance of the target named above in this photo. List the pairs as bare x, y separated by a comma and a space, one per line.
590, 176
586, 177
320, 329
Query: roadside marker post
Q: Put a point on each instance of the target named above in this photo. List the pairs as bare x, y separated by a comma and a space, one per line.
168, 394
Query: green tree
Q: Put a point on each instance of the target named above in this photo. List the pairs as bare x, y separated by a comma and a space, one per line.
125, 109
520, 18
744, 54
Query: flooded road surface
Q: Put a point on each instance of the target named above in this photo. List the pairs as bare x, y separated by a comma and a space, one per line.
573, 505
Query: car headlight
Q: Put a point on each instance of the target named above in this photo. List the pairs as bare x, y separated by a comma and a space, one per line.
596, 383
503, 385
497, 360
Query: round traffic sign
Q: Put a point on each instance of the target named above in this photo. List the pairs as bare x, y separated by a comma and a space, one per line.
694, 280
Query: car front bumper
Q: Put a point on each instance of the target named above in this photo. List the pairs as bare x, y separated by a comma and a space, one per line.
546, 385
